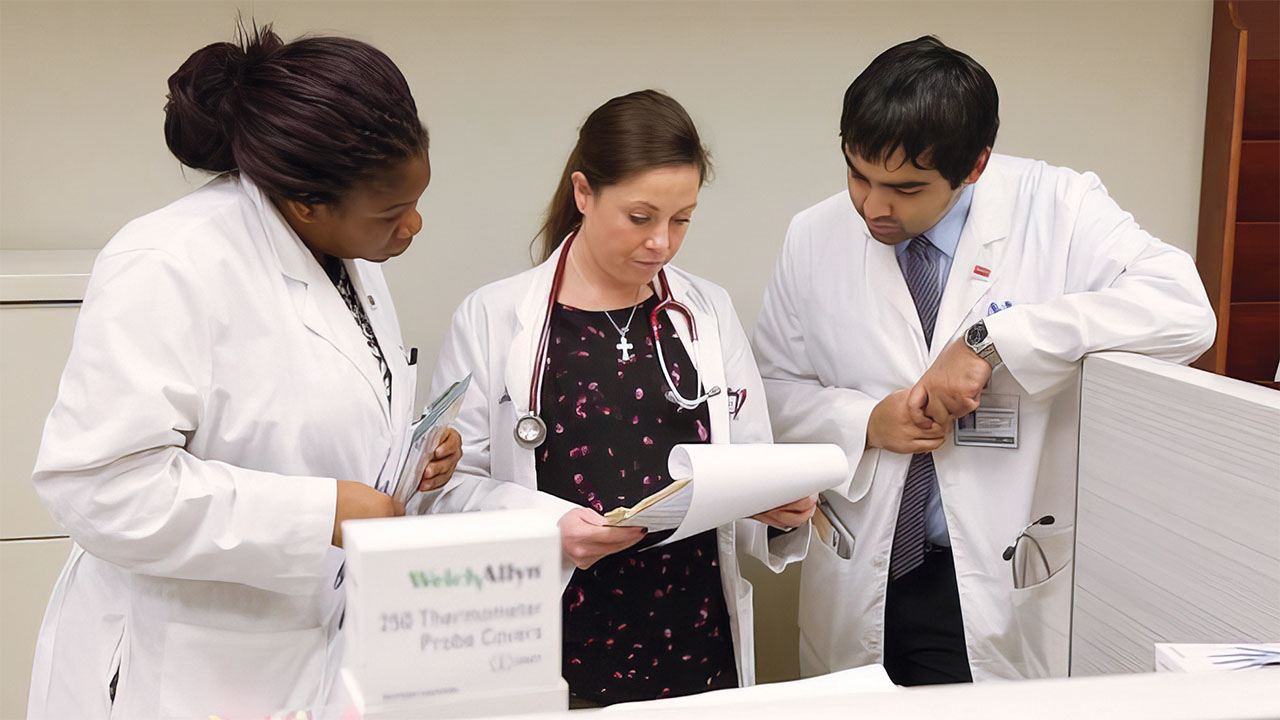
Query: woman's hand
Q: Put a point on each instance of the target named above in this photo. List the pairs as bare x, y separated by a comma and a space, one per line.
357, 501
792, 515
443, 461
585, 538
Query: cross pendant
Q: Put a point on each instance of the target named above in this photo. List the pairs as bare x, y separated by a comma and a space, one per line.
625, 346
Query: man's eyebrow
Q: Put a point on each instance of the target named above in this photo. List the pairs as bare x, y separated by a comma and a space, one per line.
904, 185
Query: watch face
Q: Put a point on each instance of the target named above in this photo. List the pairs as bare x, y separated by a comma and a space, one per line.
977, 334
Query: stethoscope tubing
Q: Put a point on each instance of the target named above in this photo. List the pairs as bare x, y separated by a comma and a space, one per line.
535, 387
533, 418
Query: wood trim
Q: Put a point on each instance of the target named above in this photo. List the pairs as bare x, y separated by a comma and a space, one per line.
1263, 18
1224, 113
1258, 198
1257, 263
1262, 100
1254, 341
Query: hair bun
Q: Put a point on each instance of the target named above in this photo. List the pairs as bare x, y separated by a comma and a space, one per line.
303, 121
203, 98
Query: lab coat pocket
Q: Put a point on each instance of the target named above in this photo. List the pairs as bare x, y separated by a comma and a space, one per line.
212, 670
1042, 611
502, 436
411, 389
117, 671
821, 614
745, 618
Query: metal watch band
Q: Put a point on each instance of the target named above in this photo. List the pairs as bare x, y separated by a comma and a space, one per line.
989, 354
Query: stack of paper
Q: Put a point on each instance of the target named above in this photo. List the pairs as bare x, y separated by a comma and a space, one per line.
662, 510
1201, 657
446, 613
717, 484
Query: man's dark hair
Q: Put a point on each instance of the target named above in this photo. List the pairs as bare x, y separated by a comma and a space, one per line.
934, 102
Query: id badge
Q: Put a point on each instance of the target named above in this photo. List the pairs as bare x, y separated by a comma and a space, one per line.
993, 424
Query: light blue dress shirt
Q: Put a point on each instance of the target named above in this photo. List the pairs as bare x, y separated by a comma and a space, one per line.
945, 237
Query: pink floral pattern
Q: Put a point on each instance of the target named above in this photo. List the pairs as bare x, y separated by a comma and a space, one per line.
638, 624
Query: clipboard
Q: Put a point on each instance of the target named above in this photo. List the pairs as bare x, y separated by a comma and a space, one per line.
663, 510
425, 435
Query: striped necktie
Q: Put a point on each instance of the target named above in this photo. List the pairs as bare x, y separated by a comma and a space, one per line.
921, 273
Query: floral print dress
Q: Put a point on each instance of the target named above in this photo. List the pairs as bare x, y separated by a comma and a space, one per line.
639, 624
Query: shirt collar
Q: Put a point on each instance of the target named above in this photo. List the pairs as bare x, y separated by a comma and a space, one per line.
946, 234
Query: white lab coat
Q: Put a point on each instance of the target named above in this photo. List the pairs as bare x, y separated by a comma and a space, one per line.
494, 335
216, 389
838, 332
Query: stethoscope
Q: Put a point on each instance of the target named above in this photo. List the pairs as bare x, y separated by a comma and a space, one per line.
531, 431
1010, 551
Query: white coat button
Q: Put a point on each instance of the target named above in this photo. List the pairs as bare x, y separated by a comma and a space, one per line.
373, 304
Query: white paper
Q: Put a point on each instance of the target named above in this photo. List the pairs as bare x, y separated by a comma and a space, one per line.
1207, 657
737, 481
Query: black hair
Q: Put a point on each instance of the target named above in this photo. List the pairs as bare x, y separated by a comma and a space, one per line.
629, 134
304, 120
934, 102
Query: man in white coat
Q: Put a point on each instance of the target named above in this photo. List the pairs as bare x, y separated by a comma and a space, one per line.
880, 332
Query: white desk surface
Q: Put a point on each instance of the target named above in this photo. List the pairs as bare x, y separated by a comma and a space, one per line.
1243, 695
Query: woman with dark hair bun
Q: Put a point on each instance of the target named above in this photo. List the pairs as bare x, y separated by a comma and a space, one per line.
237, 388
588, 369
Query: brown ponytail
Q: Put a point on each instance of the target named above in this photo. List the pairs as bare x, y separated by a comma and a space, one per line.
629, 134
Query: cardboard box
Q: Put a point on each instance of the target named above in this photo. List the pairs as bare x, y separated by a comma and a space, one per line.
459, 605
505, 701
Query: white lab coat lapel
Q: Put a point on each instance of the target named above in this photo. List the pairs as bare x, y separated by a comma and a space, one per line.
710, 361
531, 313
981, 246
314, 297
387, 329
889, 288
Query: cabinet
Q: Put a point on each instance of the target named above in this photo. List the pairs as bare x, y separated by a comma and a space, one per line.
1238, 246
40, 294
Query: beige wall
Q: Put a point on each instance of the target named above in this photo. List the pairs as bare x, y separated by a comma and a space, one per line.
1114, 87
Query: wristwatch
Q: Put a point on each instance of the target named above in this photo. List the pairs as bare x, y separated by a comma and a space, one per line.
980, 342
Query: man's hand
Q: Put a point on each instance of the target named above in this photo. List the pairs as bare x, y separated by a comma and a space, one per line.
789, 516
892, 428
950, 388
585, 538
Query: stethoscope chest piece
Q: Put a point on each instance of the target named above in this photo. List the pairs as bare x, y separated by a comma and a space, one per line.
530, 431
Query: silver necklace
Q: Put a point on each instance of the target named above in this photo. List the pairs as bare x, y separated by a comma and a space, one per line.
623, 343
